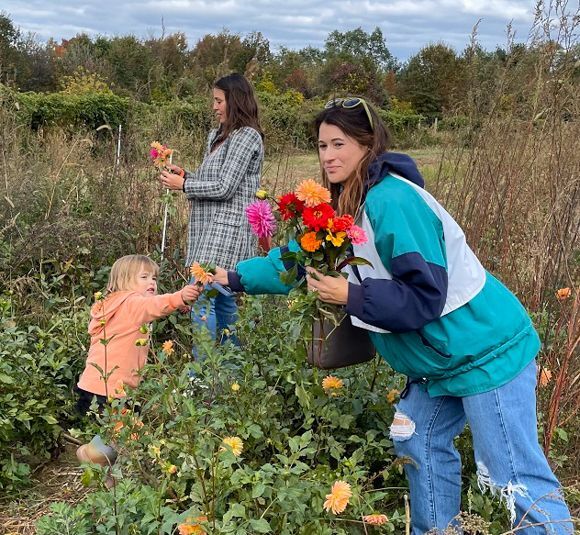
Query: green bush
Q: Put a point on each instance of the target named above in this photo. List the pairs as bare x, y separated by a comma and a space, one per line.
38, 366
89, 110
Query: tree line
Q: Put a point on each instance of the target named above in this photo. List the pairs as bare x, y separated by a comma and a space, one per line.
434, 82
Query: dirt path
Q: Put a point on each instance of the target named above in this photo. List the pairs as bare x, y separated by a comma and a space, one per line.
54, 482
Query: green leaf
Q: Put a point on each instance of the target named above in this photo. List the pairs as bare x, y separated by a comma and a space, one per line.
288, 255
49, 419
258, 490
6, 379
87, 477
260, 526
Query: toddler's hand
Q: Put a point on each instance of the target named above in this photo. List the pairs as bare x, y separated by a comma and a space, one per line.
190, 293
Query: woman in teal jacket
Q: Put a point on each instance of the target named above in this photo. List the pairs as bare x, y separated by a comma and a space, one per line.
436, 315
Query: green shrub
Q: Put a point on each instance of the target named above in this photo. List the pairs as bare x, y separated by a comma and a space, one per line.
88, 110
38, 366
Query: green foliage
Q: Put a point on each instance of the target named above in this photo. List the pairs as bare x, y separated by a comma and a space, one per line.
82, 81
287, 119
297, 439
38, 366
429, 79
89, 110
361, 46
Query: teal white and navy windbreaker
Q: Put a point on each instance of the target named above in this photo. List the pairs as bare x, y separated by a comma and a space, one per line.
430, 307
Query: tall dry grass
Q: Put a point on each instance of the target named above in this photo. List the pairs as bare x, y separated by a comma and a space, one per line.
514, 186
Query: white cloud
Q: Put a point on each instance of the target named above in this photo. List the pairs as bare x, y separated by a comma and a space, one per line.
407, 25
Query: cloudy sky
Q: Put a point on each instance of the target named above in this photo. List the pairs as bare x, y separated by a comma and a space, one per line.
406, 24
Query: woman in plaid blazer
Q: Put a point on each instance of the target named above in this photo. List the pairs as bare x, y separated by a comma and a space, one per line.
220, 189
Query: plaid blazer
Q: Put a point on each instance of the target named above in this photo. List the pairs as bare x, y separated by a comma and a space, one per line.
219, 191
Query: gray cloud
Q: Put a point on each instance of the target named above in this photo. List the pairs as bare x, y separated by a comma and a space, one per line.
406, 24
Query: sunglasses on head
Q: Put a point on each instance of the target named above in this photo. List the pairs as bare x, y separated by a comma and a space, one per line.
349, 103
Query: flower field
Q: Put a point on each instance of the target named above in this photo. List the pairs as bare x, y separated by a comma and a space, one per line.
251, 439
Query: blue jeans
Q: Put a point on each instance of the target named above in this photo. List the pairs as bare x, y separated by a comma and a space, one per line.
510, 462
217, 314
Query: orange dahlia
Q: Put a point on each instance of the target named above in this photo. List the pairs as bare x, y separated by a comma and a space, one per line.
167, 347
312, 193
375, 520
338, 498
235, 443
310, 243
563, 293
200, 274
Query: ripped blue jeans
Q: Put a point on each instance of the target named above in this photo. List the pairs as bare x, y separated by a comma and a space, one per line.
510, 463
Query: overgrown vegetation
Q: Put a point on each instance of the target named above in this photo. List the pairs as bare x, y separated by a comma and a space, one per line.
507, 166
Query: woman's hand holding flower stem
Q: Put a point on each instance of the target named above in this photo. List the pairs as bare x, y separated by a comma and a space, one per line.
332, 290
221, 276
172, 177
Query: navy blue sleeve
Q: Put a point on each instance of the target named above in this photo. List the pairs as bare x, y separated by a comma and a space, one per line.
234, 282
414, 297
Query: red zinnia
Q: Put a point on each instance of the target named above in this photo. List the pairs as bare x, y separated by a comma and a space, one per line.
343, 223
289, 205
317, 218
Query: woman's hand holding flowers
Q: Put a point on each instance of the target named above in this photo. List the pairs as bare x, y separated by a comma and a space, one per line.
333, 290
173, 178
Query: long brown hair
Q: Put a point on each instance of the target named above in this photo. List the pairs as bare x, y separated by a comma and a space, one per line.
241, 106
354, 122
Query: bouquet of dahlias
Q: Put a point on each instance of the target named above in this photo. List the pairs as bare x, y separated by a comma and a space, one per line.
306, 216
325, 239
159, 154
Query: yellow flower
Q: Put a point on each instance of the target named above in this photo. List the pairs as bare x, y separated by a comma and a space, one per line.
375, 519
168, 347
545, 376
332, 385
143, 329
120, 389
191, 526
338, 498
312, 193
261, 194
235, 387
141, 342
235, 443
199, 273
392, 395
336, 239
563, 293
98, 296
169, 468
310, 243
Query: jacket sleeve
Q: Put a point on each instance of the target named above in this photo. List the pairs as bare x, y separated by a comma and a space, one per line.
149, 308
261, 275
410, 242
244, 144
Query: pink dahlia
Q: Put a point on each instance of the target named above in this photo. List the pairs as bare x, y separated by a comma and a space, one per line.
357, 235
261, 219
